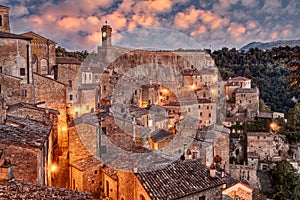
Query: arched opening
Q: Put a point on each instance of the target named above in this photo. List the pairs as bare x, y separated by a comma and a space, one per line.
44, 66
34, 63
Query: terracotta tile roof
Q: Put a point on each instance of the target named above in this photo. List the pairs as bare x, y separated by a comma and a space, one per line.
190, 72
160, 134
13, 36
31, 106
22, 131
67, 60
178, 179
22, 190
36, 37
86, 163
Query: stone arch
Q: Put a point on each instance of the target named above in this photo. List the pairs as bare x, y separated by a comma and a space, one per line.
35, 62
44, 66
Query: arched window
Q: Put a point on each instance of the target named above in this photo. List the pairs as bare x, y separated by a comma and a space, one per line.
34, 63
44, 65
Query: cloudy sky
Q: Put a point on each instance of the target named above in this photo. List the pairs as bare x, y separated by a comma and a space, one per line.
75, 24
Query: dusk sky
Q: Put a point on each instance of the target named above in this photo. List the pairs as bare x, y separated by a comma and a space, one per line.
75, 24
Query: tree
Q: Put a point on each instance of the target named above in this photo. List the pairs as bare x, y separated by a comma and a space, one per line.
285, 181
293, 66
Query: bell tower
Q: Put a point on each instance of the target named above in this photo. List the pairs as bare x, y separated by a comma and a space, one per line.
106, 35
4, 19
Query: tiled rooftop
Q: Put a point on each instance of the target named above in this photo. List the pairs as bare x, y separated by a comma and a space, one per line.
86, 163
178, 179
22, 131
22, 190
160, 134
13, 36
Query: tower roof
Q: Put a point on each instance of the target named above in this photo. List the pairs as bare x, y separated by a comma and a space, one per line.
4, 7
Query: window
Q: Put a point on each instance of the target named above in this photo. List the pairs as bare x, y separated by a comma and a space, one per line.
0, 20
202, 198
107, 188
189, 109
0, 89
71, 97
199, 107
104, 88
70, 83
0, 69
22, 71
95, 172
93, 181
207, 107
23, 92
209, 115
204, 95
200, 114
257, 137
240, 101
250, 101
135, 92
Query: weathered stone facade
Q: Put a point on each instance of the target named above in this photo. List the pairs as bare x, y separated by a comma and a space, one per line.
246, 173
43, 53
4, 19
53, 93
266, 145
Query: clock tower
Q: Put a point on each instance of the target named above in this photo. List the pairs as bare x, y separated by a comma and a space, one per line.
106, 35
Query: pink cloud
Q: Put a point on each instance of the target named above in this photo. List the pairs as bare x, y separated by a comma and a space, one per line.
236, 29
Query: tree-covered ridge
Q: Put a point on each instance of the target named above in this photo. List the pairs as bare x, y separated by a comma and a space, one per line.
267, 69
79, 55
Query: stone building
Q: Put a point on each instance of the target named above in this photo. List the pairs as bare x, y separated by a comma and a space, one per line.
212, 142
29, 145
268, 146
242, 100
43, 54
245, 173
120, 184
4, 19
159, 138
66, 71
237, 189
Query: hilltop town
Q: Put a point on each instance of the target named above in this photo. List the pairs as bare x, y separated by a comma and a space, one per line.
130, 124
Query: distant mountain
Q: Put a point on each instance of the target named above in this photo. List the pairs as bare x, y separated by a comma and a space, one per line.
270, 45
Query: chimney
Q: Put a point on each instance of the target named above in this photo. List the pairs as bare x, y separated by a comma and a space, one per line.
212, 170
6, 169
135, 168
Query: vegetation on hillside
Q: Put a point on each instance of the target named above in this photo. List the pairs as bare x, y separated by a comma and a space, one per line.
267, 69
79, 55
285, 181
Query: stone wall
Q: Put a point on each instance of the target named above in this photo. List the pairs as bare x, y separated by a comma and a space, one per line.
92, 179
25, 161
76, 179
213, 194
53, 93
4, 13
244, 172
15, 91
15, 57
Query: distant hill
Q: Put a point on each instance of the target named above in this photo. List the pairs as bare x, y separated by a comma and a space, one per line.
270, 45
